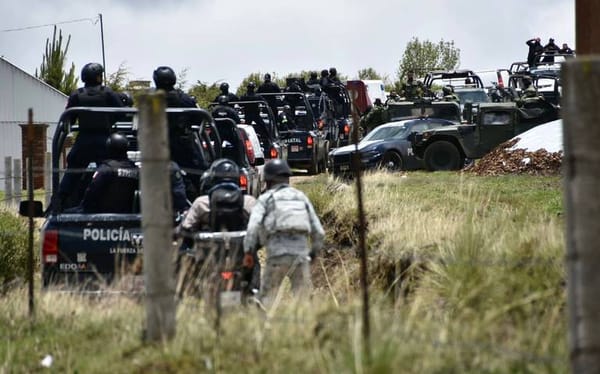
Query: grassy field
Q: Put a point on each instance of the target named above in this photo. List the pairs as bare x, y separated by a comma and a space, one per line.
466, 275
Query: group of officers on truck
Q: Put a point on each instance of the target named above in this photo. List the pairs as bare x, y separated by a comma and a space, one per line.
282, 219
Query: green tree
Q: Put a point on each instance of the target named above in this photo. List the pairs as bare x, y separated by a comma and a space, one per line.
204, 93
118, 80
423, 56
53, 62
369, 73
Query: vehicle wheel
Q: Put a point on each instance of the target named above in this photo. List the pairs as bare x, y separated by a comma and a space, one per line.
442, 155
392, 161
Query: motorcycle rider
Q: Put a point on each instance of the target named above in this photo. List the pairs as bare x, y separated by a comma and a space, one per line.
94, 129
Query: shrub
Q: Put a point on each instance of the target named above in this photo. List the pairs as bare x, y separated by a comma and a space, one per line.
13, 247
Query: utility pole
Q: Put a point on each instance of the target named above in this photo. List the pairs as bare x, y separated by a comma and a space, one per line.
157, 217
581, 94
102, 40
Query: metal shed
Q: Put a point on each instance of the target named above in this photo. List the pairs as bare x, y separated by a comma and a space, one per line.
20, 91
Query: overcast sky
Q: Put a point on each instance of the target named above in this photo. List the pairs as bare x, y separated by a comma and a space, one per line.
225, 40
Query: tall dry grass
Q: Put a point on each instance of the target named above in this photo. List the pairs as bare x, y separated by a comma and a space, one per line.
466, 276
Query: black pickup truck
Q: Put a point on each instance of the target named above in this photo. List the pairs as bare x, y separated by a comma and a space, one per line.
85, 250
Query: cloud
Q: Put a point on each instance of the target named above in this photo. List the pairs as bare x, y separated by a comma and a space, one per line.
228, 39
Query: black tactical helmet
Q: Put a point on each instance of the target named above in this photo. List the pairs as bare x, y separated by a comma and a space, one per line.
224, 87
276, 168
126, 99
251, 86
267, 77
164, 77
92, 73
313, 75
332, 71
224, 170
116, 146
223, 99
324, 73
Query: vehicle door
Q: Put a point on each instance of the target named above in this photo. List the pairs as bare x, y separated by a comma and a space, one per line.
495, 127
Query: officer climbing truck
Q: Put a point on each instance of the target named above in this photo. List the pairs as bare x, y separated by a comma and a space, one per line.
84, 250
447, 148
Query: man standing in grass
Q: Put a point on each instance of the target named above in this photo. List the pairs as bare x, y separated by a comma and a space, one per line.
284, 221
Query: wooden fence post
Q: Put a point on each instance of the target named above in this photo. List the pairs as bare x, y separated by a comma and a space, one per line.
157, 217
581, 94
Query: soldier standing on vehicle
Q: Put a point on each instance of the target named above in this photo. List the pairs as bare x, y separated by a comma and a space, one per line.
181, 139
252, 110
270, 87
285, 119
224, 110
325, 81
449, 95
550, 50
535, 50
94, 129
566, 50
285, 223
313, 81
224, 88
333, 75
411, 89
112, 189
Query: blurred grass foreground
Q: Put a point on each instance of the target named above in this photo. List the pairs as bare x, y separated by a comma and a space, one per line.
466, 276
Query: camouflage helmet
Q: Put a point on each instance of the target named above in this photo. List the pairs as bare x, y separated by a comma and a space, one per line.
92, 73
276, 168
447, 90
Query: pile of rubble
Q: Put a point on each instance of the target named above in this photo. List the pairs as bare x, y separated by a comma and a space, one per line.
505, 160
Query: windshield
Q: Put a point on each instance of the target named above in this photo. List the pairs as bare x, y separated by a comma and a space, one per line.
473, 96
387, 133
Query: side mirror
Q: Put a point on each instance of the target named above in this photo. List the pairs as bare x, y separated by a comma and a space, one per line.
34, 206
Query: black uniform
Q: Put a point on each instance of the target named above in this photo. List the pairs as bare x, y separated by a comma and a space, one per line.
94, 129
252, 110
230, 96
225, 111
535, 50
270, 87
112, 189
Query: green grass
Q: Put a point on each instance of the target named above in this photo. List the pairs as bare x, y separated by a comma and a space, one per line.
466, 276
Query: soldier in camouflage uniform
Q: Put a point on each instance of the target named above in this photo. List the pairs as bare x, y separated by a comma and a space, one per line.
449, 94
376, 116
529, 94
411, 89
284, 221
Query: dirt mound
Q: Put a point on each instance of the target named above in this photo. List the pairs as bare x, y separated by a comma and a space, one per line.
503, 160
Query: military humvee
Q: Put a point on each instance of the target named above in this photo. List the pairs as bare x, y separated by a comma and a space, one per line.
485, 126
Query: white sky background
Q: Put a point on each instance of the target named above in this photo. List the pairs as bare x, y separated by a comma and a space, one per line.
228, 39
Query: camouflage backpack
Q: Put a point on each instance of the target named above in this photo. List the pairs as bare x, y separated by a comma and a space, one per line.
286, 212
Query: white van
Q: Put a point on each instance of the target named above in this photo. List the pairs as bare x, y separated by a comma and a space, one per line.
375, 90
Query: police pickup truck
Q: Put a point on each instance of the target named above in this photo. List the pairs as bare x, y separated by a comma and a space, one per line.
87, 250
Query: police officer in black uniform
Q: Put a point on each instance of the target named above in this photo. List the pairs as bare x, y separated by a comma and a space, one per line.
94, 129
113, 187
333, 75
252, 110
184, 151
224, 87
224, 110
270, 87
